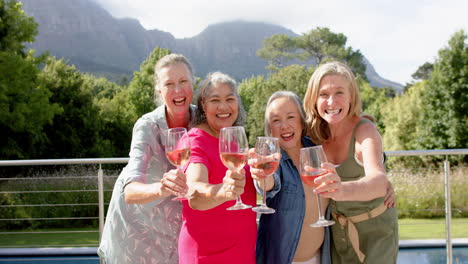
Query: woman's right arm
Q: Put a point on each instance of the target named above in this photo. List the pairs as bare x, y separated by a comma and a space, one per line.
172, 183
146, 148
207, 196
259, 174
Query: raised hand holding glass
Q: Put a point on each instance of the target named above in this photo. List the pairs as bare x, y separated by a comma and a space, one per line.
269, 151
233, 149
178, 149
311, 160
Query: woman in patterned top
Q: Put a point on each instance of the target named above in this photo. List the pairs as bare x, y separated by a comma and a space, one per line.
143, 223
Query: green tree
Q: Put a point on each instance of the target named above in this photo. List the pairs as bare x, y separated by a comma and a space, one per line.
24, 106
115, 116
258, 90
24, 103
445, 114
373, 99
15, 27
424, 71
316, 46
402, 117
73, 133
141, 88
277, 50
322, 45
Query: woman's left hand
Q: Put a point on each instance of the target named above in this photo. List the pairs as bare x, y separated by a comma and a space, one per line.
390, 197
330, 185
257, 164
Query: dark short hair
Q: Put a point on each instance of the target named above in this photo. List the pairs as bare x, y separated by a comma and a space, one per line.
207, 85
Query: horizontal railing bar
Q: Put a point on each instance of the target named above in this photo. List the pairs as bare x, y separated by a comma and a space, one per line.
28, 259
429, 209
49, 178
55, 178
49, 245
57, 218
125, 160
50, 232
427, 152
39, 205
63, 161
48, 191
64, 191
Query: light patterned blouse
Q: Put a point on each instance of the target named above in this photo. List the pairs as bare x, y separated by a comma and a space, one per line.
143, 233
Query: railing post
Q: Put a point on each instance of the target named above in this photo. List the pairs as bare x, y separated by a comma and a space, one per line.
101, 200
448, 210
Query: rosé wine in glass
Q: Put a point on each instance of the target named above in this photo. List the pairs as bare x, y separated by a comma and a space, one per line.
177, 144
178, 157
234, 161
233, 149
311, 160
269, 152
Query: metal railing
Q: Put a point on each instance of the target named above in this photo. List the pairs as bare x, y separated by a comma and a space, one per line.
100, 188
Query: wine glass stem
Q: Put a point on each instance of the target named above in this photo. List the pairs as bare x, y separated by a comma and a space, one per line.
238, 198
264, 192
319, 203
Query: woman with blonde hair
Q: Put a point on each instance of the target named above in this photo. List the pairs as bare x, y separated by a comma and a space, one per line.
366, 231
143, 222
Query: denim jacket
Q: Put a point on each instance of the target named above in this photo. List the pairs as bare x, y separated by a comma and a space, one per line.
279, 233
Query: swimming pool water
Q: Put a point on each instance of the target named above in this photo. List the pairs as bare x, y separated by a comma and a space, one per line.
405, 256
432, 256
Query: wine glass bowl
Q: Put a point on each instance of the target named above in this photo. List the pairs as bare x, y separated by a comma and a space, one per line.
311, 160
177, 148
233, 151
234, 161
269, 151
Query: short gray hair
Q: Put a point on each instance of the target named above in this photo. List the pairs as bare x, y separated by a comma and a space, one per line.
292, 97
205, 90
167, 61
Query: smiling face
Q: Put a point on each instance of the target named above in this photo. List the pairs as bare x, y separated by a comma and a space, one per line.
175, 89
221, 107
334, 98
285, 122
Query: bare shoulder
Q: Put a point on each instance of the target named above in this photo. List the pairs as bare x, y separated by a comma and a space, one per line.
368, 130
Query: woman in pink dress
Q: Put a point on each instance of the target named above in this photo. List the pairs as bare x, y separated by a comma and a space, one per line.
210, 233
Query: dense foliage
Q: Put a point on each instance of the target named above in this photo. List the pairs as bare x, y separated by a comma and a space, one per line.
49, 109
316, 46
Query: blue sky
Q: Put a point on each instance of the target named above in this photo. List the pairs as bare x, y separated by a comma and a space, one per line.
397, 36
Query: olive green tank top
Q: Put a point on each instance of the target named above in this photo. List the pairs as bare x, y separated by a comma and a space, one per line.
350, 170
378, 236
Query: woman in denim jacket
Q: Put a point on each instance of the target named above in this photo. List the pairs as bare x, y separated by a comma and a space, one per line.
285, 236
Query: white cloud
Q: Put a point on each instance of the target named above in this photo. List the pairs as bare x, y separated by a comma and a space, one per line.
397, 36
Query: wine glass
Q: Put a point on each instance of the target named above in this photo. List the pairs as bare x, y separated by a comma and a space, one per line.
233, 149
269, 149
178, 150
311, 159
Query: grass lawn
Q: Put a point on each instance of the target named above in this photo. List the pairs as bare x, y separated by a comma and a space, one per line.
431, 228
408, 229
57, 237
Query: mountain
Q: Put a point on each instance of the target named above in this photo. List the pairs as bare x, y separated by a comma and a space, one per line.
87, 36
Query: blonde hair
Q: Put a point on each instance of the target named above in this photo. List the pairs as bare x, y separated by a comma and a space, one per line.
318, 128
